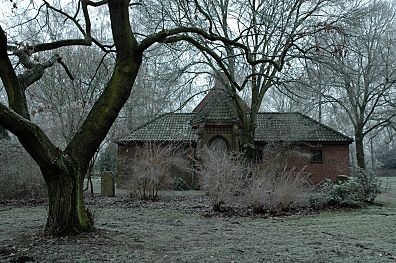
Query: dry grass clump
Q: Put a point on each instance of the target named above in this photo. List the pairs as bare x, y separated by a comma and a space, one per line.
278, 188
268, 186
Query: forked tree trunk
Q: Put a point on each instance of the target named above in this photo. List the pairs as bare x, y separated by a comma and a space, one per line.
67, 214
64, 171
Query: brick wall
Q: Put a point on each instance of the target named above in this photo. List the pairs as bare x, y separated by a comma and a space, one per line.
125, 158
335, 160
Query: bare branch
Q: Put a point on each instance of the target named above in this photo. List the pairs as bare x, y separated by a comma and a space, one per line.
96, 4
15, 93
31, 136
162, 35
60, 61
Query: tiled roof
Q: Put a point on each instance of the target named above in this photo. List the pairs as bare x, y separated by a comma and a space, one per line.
270, 127
216, 106
294, 126
168, 127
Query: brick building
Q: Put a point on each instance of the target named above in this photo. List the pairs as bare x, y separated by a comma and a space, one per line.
324, 152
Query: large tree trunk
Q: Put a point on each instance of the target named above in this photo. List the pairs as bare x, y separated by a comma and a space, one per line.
247, 139
67, 214
4, 134
360, 149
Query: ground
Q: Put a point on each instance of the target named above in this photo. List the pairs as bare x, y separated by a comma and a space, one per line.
177, 230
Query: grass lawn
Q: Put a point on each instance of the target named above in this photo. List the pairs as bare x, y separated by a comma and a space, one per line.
162, 233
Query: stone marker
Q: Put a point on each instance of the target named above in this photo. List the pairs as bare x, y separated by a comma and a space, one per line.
107, 184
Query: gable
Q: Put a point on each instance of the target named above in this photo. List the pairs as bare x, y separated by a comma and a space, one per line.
217, 106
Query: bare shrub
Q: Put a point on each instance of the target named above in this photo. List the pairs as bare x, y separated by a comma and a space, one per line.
276, 187
150, 169
20, 176
268, 186
223, 177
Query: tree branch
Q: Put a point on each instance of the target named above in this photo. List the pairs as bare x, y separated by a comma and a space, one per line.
96, 4
15, 93
105, 110
386, 121
58, 44
31, 137
35, 70
162, 35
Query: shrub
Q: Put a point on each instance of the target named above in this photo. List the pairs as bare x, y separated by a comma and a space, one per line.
151, 169
357, 191
269, 187
20, 176
370, 184
181, 185
223, 177
278, 188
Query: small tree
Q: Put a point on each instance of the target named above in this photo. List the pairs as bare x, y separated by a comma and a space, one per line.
107, 159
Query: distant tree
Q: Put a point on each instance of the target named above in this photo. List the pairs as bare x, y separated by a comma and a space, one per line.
385, 150
357, 72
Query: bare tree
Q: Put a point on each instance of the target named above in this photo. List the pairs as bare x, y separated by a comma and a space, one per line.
64, 170
263, 38
357, 72
164, 84
59, 105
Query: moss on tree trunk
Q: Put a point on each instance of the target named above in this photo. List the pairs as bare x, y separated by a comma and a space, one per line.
67, 214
